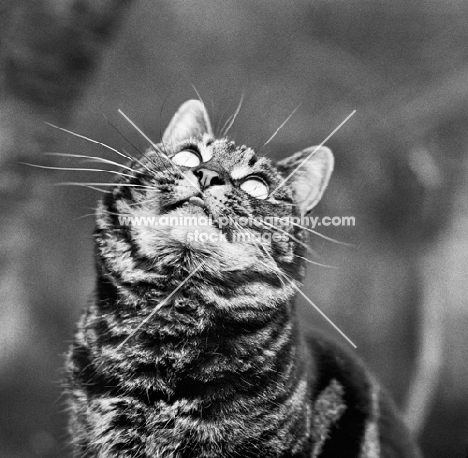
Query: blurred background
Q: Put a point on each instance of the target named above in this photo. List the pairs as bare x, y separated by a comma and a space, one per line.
399, 293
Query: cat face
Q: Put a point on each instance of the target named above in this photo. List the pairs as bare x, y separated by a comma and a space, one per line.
194, 197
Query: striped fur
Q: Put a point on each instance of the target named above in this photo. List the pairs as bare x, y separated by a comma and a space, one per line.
222, 368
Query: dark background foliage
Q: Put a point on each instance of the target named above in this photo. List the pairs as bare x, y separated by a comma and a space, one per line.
399, 293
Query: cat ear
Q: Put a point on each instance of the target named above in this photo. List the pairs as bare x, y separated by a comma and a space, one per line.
191, 120
311, 179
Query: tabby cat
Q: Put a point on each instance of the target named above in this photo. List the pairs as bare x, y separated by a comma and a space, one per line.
191, 346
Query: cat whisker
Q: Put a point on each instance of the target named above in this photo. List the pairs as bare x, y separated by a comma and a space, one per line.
131, 157
121, 135
77, 169
161, 111
95, 188
195, 89
146, 155
183, 174
165, 153
287, 234
330, 239
160, 305
87, 214
276, 268
92, 159
293, 284
217, 129
272, 227
154, 145
279, 128
313, 152
114, 213
106, 161
315, 263
275, 265
230, 121
145, 201
160, 130
322, 313
158, 149
71, 183
170, 93
88, 139
84, 185
290, 204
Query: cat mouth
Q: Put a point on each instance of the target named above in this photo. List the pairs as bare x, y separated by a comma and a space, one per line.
197, 207
192, 203
197, 202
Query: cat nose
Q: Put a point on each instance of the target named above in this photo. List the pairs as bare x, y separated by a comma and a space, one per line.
208, 178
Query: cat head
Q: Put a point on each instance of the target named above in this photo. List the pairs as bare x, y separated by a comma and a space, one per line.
194, 197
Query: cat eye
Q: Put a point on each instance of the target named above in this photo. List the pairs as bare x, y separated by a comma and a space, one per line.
255, 187
187, 158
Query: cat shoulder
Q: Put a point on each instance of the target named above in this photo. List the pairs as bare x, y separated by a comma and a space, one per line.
366, 411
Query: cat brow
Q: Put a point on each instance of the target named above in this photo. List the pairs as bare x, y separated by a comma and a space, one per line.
313, 152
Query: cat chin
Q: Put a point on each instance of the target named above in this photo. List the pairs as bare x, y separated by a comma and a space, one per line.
174, 244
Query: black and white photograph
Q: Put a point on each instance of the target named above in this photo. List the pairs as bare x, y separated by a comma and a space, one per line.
233, 229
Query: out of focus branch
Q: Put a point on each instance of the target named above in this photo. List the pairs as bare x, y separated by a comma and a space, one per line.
48, 51
415, 112
53, 46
